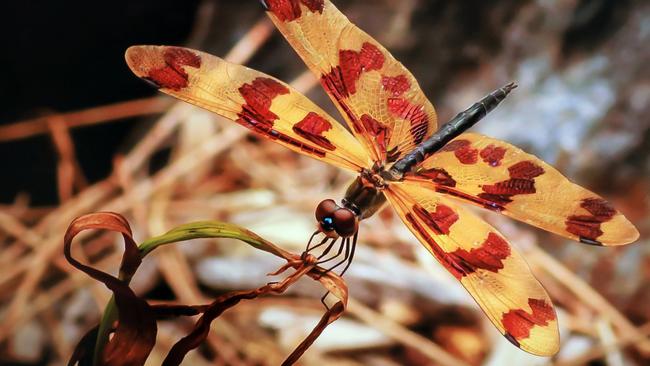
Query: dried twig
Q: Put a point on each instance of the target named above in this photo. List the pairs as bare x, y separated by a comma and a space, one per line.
87, 117
600, 351
403, 335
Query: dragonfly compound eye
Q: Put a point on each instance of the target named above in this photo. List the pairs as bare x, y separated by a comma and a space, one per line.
326, 209
345, 222
325, 215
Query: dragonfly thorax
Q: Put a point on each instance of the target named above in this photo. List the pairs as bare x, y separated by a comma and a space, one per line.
364, 195
373, 178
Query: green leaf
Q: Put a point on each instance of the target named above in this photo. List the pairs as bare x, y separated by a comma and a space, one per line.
212, 229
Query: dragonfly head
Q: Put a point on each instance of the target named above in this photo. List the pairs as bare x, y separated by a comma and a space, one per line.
335, 221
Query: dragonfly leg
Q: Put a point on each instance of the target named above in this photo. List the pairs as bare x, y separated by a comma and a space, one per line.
354, 246
350, 246
327, 250
310, 248
310, 240
338, 253
346, 244
322, 300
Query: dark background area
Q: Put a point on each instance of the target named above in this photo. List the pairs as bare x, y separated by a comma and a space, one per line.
67, 55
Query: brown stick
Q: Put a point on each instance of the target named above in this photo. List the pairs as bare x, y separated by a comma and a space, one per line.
403, 335
85, 117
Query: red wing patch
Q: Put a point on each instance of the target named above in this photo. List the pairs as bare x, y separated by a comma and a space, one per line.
443, 257
439, 221
312, 127
370, 57
436, 175
519, 322
489, 256
503, 191
599, 208
493, 155
258, 96
288, 10
256, 113
587, 227
341, 81
396, 85
413, 113
172, 75
463, 150
521, 181
525, 170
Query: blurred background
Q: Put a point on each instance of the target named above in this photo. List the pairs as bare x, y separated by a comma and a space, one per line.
79, 133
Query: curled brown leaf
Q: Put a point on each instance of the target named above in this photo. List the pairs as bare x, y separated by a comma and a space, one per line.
135, 334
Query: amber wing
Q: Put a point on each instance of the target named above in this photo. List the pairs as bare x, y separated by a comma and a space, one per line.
478, 256
379, 98
257, 101
501, 177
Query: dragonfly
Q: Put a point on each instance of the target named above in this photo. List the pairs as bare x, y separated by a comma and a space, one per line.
399, 156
